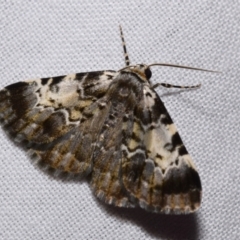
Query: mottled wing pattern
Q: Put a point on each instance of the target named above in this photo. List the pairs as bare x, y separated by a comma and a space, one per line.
156, 167
111, 125
58, 118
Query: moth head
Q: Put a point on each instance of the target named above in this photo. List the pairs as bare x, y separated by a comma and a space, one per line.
142, 70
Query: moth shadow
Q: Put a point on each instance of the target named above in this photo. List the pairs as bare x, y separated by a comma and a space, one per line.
158, 225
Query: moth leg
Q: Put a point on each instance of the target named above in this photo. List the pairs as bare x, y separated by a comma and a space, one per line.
167, 85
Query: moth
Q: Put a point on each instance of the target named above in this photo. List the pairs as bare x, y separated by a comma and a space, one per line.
111, 125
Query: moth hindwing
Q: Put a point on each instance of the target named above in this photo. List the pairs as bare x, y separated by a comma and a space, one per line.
110, 125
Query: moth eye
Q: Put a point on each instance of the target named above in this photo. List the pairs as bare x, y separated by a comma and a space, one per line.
148, 73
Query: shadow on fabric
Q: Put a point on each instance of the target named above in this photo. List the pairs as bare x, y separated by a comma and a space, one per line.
158, 225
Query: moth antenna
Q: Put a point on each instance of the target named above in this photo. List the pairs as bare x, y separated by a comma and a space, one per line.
126, 57
181, 66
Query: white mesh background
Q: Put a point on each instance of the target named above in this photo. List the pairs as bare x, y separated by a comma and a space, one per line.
51, 38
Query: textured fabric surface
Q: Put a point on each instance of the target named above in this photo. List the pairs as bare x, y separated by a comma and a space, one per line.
51, 38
